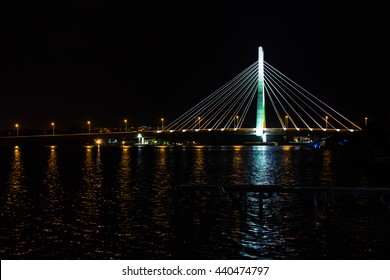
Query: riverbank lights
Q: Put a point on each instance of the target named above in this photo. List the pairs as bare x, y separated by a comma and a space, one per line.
125, 125
89, 126
17, 129
52, 124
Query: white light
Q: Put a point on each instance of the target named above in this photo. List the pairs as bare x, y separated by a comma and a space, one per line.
171, 131
196, 130
259, 131
351, 130
337, 129
222, 129
209, 129
139, 135
184, 130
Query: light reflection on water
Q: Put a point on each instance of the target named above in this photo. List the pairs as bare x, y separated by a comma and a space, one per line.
16, 213
125, 200
89, 225
199, 174
126, 203
161, 202
52, 218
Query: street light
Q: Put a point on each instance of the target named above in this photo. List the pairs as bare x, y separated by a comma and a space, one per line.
199, 121
125, 125
52, 124
236, 126
326, 122
89, 127
162, 123
365, 121
286, 121
17, 129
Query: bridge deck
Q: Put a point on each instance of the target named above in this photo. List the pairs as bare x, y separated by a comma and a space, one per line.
162, 134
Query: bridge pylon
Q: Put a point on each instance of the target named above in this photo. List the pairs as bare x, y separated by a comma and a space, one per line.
260, 115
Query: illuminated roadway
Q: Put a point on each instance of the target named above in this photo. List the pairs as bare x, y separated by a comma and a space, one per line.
136, 136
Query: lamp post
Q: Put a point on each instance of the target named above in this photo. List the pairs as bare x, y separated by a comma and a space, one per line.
17, 129
286, 118
162, 123
125, 125
365, 121
52, 124
326, 122
89, 127
236, 126
199, 121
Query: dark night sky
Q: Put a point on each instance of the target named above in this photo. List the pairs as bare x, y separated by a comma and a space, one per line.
104, 61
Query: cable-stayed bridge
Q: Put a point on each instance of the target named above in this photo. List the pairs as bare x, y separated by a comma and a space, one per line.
272, 92
260, 88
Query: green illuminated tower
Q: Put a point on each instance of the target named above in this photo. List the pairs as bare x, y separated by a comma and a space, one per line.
260, 116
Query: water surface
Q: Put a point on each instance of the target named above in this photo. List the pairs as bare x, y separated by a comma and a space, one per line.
126, 203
